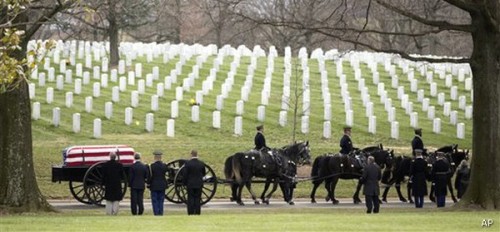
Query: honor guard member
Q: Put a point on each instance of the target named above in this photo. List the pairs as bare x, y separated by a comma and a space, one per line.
418, 179
417, 142
260, 140
345, 142
193, 173
440, 172
158, 183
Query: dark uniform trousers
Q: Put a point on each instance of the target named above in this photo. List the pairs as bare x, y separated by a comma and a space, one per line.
194, 201
137, 201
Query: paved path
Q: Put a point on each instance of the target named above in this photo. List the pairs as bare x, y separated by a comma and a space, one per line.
224, 204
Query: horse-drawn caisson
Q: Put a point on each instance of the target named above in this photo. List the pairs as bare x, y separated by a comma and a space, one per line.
82, 168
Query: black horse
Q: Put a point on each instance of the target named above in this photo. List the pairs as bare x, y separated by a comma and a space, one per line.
241, 167
454, 157
287, 183
330, 168
401, 169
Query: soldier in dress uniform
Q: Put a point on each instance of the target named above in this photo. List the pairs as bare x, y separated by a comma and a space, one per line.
158, 183
440, 172
194, 171
345, 142
417, 142
418, 180
260, 139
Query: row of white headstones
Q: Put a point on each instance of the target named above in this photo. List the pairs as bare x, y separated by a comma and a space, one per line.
225, 89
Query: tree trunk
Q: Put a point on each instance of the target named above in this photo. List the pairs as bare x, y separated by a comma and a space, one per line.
484, 187
113, 35
18, 187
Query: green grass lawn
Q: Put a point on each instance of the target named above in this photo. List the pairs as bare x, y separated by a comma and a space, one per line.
331, 219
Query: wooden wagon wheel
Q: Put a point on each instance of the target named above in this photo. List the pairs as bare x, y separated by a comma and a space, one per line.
208, 190
173, 168
78, 191
93, 184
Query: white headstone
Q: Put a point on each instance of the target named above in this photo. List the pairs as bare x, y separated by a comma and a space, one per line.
41, 79
240, 107
401, 91
96, 90
462, 102
372, 124
88, 61
86, 78
104, 80
238, 126
115, 94
425, 104
174, 109
97, 72
168, 82
433, 89
56, 116
414, 85
414, 119
327, 130
261, 113
114, 75
304, 126
216, 119
468, 83
104, 64
50, 95
369, 109
141, 88
199, 97
131, 78
388, 104
283, 118
327, 112
79, 70
391, 115
78, 86
441, 99
108, 110
51, 74
156, 73
447, 108
150, 122
69, 99
395, 130
453, 117
36, 111
195, 113
448, 81
431, 112
88, 104
60, 82
97, 128
170, 128
129, 115
68, 78
461, 130
123, 84
409, 108
349, 120
76, 122
468, 112
138, 70
380, 88
454, 92
31, 89
375, 78
436, 125
394, 82
179, 91
62, 66
160, 89
420, 95
219, 103
121, 67
149, 80
134, 99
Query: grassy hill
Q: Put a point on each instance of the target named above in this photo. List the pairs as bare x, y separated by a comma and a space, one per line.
216, 144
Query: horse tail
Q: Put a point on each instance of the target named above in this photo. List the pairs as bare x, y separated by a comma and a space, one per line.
228, 168
316, 166
236, 167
